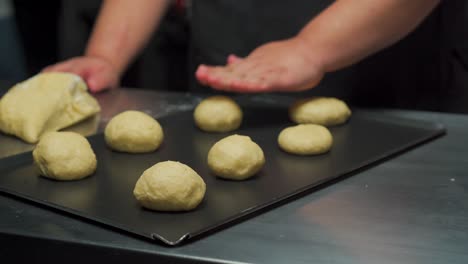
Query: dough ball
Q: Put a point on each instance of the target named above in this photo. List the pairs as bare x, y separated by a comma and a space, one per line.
325, 111
64, 156
133, 132
235, 157
170, 186
305, 139
218, 114
44, 103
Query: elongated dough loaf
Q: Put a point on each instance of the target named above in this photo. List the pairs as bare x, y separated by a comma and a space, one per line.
44, 103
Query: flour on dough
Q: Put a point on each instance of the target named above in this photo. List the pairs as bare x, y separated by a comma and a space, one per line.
218, 114
236, 157
44, 103
133, 132
170, 186
305, 139
326, 111
64, 156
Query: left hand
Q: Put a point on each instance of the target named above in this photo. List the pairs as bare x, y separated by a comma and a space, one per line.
285, 66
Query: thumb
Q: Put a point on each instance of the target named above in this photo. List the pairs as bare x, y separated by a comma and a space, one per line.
231, 59
96, 83
99, 81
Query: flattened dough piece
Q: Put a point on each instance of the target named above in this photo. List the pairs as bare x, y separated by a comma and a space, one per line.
170, 186
218, 114
44, 103
64, 156
305, 139
325, 111
236, 157
133, 132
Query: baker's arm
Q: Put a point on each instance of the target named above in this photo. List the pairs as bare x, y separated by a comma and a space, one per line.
343, 34
122, 29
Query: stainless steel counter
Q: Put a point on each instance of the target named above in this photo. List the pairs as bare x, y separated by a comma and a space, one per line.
410, 209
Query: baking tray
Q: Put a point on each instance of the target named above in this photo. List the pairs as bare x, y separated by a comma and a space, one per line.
106, 197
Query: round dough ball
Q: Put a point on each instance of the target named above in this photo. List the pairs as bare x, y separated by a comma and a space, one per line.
133, 132
235, 157
218, 114
305, 139
170, 186
325, 111
64, 156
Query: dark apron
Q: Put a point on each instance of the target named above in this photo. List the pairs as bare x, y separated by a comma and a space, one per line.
406, 75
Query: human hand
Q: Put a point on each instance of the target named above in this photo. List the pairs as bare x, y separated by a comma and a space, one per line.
287, 65
98, 73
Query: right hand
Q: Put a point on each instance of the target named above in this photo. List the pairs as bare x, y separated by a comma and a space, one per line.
280, 66
98, 73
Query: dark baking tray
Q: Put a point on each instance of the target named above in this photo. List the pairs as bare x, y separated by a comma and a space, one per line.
106, 197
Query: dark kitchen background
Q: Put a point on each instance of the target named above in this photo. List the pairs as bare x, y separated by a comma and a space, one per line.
427, 70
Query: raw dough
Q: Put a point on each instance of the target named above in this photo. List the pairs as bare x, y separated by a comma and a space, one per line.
305, 139
44, 103
133, 132
235, 157
326, 111
64, 156
218, 114
170, 186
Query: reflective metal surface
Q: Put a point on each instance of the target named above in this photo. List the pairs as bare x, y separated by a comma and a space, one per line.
410, 209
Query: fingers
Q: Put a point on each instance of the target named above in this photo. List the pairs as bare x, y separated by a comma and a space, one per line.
226, 77
76, 65
202, 74
101, 80
96, 83
97, 73
240, 75
215, 76
231, 59
59, 67
276, 66
256, 78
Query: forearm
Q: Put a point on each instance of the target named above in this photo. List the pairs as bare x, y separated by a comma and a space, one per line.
123, 28
350, 30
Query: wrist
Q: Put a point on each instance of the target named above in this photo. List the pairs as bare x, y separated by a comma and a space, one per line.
312, 54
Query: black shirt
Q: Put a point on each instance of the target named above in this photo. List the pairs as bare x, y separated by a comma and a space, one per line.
406, 75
